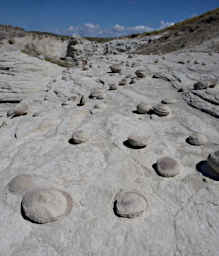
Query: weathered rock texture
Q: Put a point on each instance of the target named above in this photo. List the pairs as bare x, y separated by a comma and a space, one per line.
180, 215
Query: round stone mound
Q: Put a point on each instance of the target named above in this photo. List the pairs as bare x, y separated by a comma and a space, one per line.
78, 137
116, 68
129, 204
197, 139
100, 106
136, 141
97, 94
200, 86
123, 82
213, 161
143, 108
167, 167
45, 205
113, 87
161, 110
21, 184
169, 101
21, 109
140, 73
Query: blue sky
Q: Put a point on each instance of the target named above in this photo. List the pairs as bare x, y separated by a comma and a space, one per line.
99, 17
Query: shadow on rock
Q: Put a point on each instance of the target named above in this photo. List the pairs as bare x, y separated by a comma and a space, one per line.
154, 166
71, 141
25, 217
207, 171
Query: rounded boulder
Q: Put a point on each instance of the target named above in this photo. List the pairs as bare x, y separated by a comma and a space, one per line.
137, 142
167, 167
161, 110
143, 108
46, 205
21, 184
129, 204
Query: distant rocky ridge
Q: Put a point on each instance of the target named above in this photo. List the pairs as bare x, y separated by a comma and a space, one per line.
189, 33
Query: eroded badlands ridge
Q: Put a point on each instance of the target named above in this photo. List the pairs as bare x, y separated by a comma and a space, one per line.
111, 155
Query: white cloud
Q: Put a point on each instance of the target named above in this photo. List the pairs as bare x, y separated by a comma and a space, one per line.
140, 28
118, 28
164, 24
93, 30
70, 28
91, 26
87, 29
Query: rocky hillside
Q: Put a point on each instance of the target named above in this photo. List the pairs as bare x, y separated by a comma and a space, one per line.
116, 154
33, 43
189, 33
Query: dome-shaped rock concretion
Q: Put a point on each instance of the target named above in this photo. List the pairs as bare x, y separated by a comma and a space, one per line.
161, 110
113, 87
45, 205
169, 101
143, 108
116, 68
100, 105
197, 139
20, 110
137, 142
78, 137
213, 161
167, 167
129, 204
140, 73
97, 94
200, 86
21, 184
123, 82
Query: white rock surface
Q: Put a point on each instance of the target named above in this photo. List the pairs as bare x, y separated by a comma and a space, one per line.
183, 212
